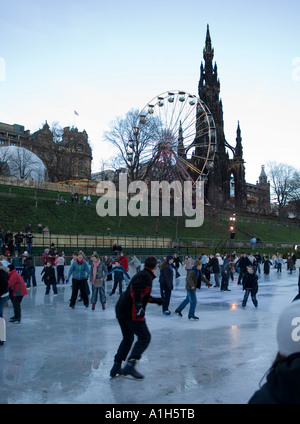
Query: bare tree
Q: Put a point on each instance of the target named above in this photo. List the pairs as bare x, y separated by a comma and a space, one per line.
5, 156
131, 137
285, 184
23, 163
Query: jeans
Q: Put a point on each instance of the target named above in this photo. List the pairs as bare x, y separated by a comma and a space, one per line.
16, 301
60, 273
253, 297
129, 329
217, 279
3, 301
101, 291
191, 299
165, 292
48, 287
30, 274
225, 280
118, 280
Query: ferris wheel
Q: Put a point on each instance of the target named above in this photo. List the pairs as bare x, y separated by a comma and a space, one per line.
173, 138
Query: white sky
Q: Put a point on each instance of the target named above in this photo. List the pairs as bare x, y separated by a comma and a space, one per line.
104, 57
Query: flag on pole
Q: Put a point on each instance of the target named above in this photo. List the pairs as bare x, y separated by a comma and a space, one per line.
75, 113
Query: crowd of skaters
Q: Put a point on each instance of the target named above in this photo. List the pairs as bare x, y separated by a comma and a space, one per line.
214, 270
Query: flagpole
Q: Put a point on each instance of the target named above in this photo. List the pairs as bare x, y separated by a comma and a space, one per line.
75, 114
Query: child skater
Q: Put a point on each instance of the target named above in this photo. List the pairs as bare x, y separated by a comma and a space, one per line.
49, 278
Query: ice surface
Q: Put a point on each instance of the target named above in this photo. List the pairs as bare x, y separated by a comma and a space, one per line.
63, 356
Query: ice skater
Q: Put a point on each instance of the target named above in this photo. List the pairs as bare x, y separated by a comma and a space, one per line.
130, 312
49, 278
166, 283
120, 274
17, 290
250, 286
97, 279
191, 286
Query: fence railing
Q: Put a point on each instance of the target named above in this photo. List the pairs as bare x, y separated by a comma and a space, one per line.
140, 243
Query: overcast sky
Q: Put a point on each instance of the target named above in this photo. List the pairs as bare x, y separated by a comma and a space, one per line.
104, 57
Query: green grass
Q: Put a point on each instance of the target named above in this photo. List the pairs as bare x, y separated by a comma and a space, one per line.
18, 207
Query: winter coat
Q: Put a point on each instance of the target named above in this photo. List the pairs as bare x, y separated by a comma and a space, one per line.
166, 276
214, 263
282, 386
243, 262
121, 274
135, 262
250, 282
188, 263
29, 262
123, 261
267, 265
78, 271
137, 292
290, 263
17, 284
101, 272
45, 258
226, 265
3, 280
48, 275
60, 261
194, 279
177, 262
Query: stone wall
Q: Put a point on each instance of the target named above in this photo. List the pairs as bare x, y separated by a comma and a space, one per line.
80, 187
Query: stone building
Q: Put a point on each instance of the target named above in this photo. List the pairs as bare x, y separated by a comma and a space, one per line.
68, 157
226, 185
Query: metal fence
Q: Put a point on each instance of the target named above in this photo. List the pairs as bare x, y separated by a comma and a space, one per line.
141, 244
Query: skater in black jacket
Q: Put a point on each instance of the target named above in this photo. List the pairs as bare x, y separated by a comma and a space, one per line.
130, 312
242, 264
250, 286
49, 278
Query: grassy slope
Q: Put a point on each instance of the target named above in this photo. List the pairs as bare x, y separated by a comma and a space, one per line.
17, 211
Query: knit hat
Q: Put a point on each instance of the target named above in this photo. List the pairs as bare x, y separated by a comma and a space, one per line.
288, 330
169, 257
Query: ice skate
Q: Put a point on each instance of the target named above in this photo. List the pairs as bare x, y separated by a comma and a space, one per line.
129, 369
116, 370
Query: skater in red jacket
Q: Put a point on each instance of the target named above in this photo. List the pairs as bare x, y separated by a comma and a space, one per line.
123, 261
17, 290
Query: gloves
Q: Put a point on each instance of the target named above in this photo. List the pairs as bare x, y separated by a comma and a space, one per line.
140, 311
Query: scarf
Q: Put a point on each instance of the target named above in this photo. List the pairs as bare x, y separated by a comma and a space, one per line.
79, 262
95, 267
198, 272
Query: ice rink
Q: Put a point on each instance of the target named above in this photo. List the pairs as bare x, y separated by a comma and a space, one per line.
62, 356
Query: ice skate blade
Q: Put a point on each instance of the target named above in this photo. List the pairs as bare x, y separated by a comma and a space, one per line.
116, 377
130, 377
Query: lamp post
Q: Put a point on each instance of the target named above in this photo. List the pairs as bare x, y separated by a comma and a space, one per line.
232, 220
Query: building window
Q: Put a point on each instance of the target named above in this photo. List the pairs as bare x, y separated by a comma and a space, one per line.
80, 148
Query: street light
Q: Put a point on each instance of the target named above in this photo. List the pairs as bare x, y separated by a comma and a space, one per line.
232, 220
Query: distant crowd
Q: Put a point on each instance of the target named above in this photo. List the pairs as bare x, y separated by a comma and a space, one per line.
216, 269
11, 243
